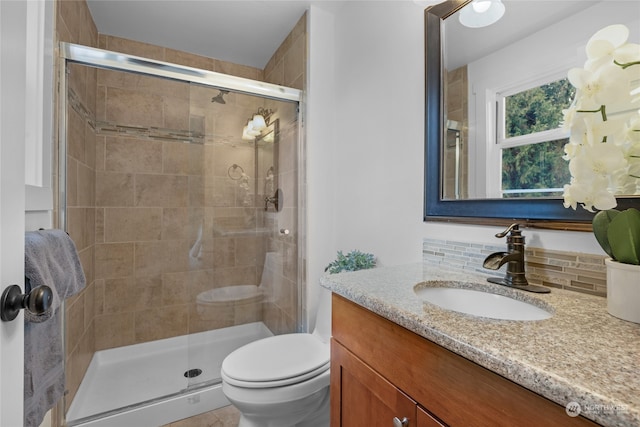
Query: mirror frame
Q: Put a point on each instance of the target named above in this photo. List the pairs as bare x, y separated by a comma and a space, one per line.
538, 213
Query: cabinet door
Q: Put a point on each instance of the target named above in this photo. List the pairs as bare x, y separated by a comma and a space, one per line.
425, 419
361, 397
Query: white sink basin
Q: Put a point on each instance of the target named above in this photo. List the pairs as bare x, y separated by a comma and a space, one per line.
483, 304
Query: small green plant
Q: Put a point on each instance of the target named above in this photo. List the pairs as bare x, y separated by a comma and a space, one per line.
353, 261
618, 233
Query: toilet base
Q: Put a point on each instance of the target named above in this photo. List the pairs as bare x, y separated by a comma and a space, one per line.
301, 413
320, 418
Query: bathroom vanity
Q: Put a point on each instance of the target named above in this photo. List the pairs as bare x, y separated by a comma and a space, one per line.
398, 361
367, 349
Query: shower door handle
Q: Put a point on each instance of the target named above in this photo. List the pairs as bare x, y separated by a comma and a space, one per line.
277, 201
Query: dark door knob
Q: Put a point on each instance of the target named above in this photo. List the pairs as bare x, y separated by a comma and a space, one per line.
13, 300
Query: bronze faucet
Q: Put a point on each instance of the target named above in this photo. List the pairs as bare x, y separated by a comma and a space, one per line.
515, 275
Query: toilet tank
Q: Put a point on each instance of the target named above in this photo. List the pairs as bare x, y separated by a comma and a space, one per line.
323, 316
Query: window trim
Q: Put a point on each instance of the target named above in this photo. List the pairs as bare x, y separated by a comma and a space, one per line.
497, 128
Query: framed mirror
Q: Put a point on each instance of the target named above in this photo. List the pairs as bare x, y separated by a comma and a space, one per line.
471, 75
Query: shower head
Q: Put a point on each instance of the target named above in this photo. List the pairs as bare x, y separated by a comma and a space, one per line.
219, 97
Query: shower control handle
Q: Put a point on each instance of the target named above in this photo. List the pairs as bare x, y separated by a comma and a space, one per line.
277, 201
13, 300
397, 422
284, 231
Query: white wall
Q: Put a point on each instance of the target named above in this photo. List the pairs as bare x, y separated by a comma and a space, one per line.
365, 141
319, 125
379, 145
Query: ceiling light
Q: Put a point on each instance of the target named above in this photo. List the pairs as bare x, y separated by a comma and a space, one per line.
481, 13
481, 6
427, 3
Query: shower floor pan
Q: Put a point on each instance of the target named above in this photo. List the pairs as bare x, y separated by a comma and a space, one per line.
148, 384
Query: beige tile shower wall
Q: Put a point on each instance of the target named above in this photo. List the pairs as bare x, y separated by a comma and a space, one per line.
566, 270
287, 67
74, 24
161, 180
288, 64
160, 53
212, 199
171, 222
457, 109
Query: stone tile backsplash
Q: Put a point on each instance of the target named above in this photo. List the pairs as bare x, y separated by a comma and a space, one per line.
566, 270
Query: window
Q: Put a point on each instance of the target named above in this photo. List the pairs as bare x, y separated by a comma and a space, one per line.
530, 140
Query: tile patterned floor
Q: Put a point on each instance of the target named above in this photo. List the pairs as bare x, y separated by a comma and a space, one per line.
227, 416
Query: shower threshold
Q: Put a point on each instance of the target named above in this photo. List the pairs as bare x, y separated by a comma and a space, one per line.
154, 383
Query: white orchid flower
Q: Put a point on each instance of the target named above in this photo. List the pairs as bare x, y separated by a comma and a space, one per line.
590, 194
568, 117
606, 85
633, 172
605, 41
569, 200
600, 160
578, 131
613, 130
604, 144
633, 152
570, 150
627, 54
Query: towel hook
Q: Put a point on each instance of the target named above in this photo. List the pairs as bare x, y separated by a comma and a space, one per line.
37, 301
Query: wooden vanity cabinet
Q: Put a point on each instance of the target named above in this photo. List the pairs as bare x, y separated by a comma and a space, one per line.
381, 371
367, 399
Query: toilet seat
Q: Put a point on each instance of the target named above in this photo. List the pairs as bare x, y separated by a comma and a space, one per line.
276, 361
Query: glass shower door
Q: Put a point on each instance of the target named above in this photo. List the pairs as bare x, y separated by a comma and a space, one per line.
129, 181
192, 228
245, 239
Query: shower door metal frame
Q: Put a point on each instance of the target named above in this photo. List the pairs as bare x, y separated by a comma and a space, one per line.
106, 59
101, 58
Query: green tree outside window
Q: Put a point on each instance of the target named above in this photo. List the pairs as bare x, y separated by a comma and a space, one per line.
539, 165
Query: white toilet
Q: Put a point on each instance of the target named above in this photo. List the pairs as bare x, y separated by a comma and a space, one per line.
283, 381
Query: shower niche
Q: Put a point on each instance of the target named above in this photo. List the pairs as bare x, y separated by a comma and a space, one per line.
158, 182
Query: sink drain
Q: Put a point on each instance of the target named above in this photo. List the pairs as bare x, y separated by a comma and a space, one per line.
192, 373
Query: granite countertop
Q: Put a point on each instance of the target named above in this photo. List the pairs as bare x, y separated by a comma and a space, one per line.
581, 354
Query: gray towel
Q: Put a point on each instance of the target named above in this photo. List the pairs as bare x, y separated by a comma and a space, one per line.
50, 259
43, 368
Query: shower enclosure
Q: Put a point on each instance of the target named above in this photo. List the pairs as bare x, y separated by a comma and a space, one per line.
193, 227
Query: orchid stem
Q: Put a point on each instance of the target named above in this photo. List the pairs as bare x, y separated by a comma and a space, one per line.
601, 110
627, 65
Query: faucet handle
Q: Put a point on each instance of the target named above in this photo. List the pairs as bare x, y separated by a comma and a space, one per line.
513, 227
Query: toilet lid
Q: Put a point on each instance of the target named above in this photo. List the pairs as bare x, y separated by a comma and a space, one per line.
276, 361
